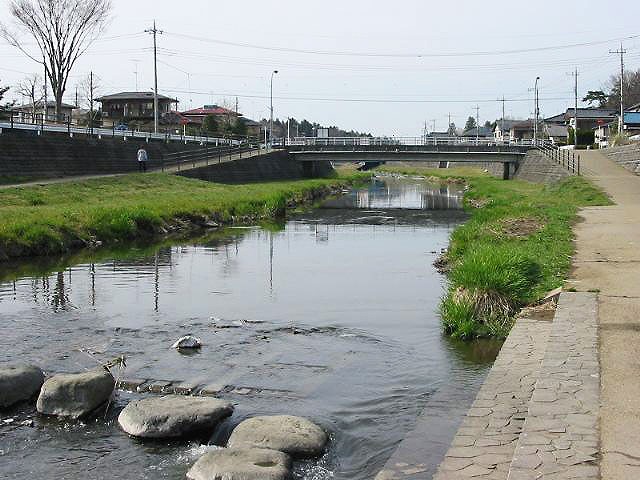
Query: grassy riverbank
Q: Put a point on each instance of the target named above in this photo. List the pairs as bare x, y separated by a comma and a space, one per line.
51, 219
516, 246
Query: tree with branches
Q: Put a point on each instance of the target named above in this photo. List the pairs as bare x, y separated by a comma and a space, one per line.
31, 88
62, 29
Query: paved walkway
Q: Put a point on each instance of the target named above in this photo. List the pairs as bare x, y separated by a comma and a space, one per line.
608, 259
169, 169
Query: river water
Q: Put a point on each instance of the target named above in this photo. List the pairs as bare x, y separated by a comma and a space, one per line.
332, 316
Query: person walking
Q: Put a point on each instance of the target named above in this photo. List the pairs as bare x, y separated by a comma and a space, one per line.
142, 159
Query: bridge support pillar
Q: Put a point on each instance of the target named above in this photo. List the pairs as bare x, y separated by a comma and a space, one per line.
506, 166
308, 169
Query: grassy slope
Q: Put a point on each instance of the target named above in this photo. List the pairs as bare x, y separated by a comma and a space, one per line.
50, 219
495, 272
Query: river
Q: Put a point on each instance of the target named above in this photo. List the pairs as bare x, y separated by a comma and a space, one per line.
332, 315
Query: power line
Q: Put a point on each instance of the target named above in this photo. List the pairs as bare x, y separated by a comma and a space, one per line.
397, 55
362, 100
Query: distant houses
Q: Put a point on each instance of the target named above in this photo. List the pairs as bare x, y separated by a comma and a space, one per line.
125, 107
30, 113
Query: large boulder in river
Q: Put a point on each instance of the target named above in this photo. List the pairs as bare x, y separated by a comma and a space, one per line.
75, 395
241, 464
19, 383
172, 416
296, 436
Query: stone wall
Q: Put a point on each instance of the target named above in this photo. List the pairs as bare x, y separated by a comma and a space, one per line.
627, 156
26, 154
538, 168
273, 166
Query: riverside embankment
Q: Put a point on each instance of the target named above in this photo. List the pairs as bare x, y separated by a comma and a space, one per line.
55, 218
516, 246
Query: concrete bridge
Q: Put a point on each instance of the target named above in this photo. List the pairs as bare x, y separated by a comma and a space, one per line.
382, 150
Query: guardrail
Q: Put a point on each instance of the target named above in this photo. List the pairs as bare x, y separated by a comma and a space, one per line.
569, 159
42, 127
401, 141
208, 155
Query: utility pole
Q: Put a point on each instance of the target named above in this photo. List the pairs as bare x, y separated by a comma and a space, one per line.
135, 72
621, 52
91, 101
154, 31
46, 102
502, 122
271, 118
536, 110
575, 109
477, 123
449, 126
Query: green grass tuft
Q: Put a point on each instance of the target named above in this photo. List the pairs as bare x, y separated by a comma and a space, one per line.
495, 272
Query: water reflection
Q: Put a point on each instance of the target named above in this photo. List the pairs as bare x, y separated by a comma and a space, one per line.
331, 315
394, 193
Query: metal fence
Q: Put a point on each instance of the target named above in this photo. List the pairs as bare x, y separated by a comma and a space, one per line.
206, 156
568, 159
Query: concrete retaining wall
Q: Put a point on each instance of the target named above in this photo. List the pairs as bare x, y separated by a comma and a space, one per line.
24, 153
627, 156
272, 166
538, 168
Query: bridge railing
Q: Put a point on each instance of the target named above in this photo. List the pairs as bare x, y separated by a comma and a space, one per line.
399, 141
568, 159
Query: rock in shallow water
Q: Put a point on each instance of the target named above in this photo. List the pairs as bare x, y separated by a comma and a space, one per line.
188, 341
241, 464
75, 395
172, 416
296, 436
18, 383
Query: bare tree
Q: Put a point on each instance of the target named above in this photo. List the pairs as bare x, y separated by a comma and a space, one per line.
62, 30
31, 87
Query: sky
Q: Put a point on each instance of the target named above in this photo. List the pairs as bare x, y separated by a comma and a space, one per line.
381, 67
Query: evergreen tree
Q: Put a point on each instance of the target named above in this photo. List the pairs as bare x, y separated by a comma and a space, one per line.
471, 123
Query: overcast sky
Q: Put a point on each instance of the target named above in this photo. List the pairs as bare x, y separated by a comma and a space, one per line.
383, 67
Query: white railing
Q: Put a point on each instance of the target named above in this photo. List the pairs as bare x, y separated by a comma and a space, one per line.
114, 133
408, 141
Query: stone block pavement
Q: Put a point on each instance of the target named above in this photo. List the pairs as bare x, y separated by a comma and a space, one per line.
560, 439
536, 416
485, 443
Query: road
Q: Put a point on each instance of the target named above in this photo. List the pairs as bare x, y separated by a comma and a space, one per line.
608, 260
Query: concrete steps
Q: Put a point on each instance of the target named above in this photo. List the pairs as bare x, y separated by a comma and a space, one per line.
536, 416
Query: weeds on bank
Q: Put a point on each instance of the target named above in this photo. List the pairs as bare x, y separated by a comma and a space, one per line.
43, 220
514, 248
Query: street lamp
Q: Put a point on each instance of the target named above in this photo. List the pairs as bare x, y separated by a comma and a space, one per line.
271, 119
535, 113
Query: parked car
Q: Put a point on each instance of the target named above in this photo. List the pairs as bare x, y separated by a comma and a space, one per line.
122, 127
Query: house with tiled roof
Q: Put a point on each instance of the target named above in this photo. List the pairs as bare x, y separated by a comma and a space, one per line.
138, 106
197, 115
